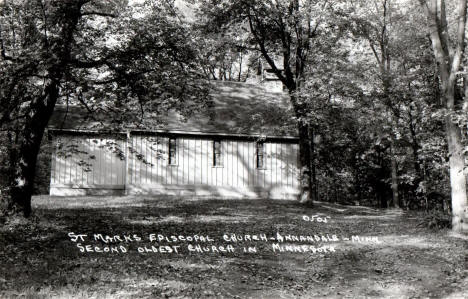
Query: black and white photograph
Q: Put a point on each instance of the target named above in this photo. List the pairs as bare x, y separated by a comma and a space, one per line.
233, 149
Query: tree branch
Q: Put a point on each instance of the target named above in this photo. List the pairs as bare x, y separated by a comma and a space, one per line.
460, 41
88, 64
375, 52
98, 13
437, 41
264, 51
2, 48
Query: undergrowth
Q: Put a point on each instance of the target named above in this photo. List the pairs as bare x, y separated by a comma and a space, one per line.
435, 219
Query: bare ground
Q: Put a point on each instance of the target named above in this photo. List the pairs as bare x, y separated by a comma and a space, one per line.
39, 260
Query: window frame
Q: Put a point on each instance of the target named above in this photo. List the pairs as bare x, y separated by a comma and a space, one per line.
217, 162
260, 155
172, 151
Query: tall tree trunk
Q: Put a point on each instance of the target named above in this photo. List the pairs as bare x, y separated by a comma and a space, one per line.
54, 52
448, 66
291, 74
22, 175
457, 177
19, 199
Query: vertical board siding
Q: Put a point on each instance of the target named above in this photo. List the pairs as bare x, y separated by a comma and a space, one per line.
227, 169
204, 162
144, 152
147, 162
90, 174
88, 161
294, 163
104, 162
183, 153
269, 170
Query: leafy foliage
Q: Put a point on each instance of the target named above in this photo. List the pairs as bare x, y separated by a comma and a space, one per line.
436, 219
361, 75
125, 64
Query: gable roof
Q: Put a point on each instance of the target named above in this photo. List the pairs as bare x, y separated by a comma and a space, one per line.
237, 108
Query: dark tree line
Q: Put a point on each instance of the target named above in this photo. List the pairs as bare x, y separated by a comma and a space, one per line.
387, 98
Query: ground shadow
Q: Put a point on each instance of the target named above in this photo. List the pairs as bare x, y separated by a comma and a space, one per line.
39, 258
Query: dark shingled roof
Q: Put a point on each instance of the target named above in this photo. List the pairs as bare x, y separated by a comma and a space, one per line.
238, 108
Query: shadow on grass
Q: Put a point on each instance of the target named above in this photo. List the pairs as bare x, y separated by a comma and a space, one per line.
39, 259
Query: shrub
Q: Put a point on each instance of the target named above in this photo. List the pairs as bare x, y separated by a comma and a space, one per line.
436, 219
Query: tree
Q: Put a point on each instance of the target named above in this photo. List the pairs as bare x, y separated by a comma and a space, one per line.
377, 33
122, 62
448, 52
222, 54
289, 35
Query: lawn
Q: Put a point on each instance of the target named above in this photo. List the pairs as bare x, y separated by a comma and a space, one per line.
345, 252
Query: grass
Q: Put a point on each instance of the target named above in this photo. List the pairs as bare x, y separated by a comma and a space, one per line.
39, 260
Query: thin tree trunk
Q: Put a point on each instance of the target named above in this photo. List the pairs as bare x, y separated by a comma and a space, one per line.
418, 168
415, 148
313, 161
305, 173
394, 169
381, 186
393, 160
212, 72
239, 77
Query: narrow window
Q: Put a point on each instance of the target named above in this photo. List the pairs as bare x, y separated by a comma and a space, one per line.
172, 151
260, 155
217, 158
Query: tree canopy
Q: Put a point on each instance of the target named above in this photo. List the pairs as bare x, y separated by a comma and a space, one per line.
378, 88
129, 63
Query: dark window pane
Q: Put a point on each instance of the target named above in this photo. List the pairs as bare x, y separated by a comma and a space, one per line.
172, 151
217, 159
260, 155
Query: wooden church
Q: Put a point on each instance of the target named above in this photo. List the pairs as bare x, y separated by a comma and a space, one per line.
246, 148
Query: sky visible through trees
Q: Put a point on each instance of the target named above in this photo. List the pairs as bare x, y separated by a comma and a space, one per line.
378, 88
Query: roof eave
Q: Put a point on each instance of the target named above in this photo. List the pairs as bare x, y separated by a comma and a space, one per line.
256, 136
